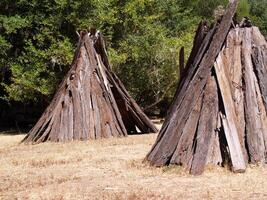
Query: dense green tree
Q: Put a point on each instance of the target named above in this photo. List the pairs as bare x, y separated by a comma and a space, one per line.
38, 37
145, 54
258, 13
243, 9
143, 37
205, 9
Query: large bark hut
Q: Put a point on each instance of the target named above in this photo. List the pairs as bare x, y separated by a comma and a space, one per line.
218, 115
91, 102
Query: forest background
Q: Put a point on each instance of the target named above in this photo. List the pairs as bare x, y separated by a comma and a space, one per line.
143, 38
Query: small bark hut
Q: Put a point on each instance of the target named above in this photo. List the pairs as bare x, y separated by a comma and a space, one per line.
218, 115
91, 101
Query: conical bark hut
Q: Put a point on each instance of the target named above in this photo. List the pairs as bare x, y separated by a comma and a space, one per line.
218, 115
91, 102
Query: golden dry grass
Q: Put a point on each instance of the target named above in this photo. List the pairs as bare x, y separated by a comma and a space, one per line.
112, 169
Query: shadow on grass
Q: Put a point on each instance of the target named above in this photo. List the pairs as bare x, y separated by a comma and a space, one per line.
13, 131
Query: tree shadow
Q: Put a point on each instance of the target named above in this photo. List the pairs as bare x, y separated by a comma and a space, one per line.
13, 131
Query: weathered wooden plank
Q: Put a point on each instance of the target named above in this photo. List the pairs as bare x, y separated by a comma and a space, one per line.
207, 126
113, 103
184, 151
71, 120
53, 136
263, 117
83, 78
253, 123
77, 123
257, 38
91, 119
230, 59
233, 65
259, 58
44, 132
214, 156
98, 74
232, 136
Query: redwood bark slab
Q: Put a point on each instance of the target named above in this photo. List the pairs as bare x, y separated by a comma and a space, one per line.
230, 120
185, 149
253, 122
207, 126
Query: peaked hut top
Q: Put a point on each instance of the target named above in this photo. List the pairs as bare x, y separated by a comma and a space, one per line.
91, 102
218, 115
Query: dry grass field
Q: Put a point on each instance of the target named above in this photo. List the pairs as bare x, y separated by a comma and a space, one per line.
112, 169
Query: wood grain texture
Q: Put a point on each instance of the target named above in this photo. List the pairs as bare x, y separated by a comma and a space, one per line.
233, 64
207, 126
184, 152
253, 124
259, 58
230, 119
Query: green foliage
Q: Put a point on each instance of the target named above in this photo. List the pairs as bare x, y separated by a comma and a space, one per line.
243, 9
206, 8
4, 47
37, 48
145, 52
34, 71
258, 13
13, 23
37, 41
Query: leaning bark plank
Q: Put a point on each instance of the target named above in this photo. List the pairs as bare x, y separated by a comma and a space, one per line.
207, 127
253, 125
259, 58
214, 156
230, 120
184, 151
263, 117
233, 64
200, 44
257, 38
